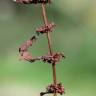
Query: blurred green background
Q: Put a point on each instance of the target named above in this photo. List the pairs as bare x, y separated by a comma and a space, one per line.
75, 34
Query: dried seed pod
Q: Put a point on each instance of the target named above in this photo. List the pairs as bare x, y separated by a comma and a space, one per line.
27, 44
45, 29
23, 50
46, 58
51, 26
55, 88
60, 88
52, 59
57, 57
32, 1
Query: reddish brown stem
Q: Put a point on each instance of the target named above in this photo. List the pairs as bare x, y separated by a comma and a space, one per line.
49, 43
54, 76
46, 24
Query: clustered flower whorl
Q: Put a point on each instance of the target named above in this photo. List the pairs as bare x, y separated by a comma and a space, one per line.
32, 1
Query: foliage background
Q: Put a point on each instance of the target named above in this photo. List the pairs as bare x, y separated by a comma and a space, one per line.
75, 34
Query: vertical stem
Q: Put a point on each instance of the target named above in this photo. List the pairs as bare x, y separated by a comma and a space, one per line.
54, 76
46, 24
54, 73
49, 44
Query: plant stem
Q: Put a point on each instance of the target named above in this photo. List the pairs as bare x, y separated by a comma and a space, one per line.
46, 24
49, 43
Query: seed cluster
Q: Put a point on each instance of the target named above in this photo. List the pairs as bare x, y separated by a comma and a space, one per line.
32, 1
54, 88
54, 58
45, 29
